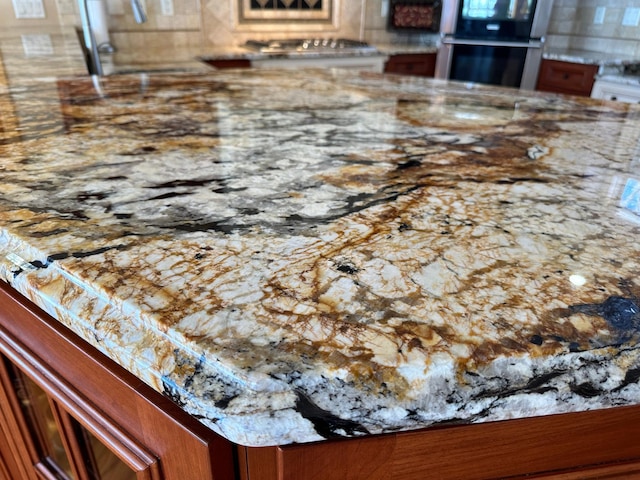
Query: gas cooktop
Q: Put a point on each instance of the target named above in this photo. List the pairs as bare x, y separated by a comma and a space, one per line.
309, 45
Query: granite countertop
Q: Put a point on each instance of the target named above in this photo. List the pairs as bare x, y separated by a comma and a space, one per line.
400, 48
587, 57
243, 53
301, 255
631, 80
154, 59
239, 52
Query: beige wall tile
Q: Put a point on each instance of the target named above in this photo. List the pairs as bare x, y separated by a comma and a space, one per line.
572, 27
215, 23
8, 18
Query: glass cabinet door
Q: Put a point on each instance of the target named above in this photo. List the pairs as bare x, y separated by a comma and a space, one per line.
64, 448
100, 462
42, 426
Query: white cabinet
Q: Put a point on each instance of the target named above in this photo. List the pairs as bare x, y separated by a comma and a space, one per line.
617, 90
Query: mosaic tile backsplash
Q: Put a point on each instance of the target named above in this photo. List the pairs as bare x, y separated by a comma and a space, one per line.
286, 4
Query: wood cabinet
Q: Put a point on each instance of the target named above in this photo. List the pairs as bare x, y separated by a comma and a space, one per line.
421, 64
69, 412
372, 63
598, 444
10, 466
566, 77
62, 399
222, 64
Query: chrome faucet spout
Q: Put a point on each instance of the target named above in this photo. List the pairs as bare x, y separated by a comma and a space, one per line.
91, 46
89, 37
138, 11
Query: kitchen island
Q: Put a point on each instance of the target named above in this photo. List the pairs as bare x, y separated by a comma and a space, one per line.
298, 257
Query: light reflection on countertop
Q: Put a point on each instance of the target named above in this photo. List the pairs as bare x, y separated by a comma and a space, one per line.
603, 59
30, 54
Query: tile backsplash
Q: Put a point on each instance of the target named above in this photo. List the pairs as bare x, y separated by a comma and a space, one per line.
220, 22
596, 25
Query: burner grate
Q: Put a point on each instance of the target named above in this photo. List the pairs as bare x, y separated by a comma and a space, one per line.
308, 45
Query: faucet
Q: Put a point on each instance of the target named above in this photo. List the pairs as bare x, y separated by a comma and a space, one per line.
91, 48
138, 11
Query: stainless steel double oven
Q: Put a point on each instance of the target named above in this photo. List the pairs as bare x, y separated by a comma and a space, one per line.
498, 42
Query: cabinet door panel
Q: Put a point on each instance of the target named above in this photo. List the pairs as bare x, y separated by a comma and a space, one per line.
10, 466
420, 64
67, 448
123, 459
146, 431
42, 425
105, 464
20, 455
566, 77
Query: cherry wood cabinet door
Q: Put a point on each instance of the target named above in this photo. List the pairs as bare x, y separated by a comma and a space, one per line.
10, 466
566, 77
420, 64
595, 444
223, 64
68, 412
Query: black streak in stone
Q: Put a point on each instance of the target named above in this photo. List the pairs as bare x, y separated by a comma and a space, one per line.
57, 256
632, 376
542, 381
586, 390
325, 423
97, 251
409, 164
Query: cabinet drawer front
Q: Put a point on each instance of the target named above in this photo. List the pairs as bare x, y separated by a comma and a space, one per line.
616, 92
412, 64
566, 77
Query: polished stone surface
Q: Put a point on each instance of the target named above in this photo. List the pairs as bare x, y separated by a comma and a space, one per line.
608, 59
300, 255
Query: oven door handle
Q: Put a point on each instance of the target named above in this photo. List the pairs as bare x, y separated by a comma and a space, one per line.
492, 43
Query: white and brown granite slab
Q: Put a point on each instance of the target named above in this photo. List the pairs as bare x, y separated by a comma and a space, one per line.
212, 54
588, 57
294, 256
402, 48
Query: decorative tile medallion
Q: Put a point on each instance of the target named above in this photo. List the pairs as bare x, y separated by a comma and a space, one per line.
251, 11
